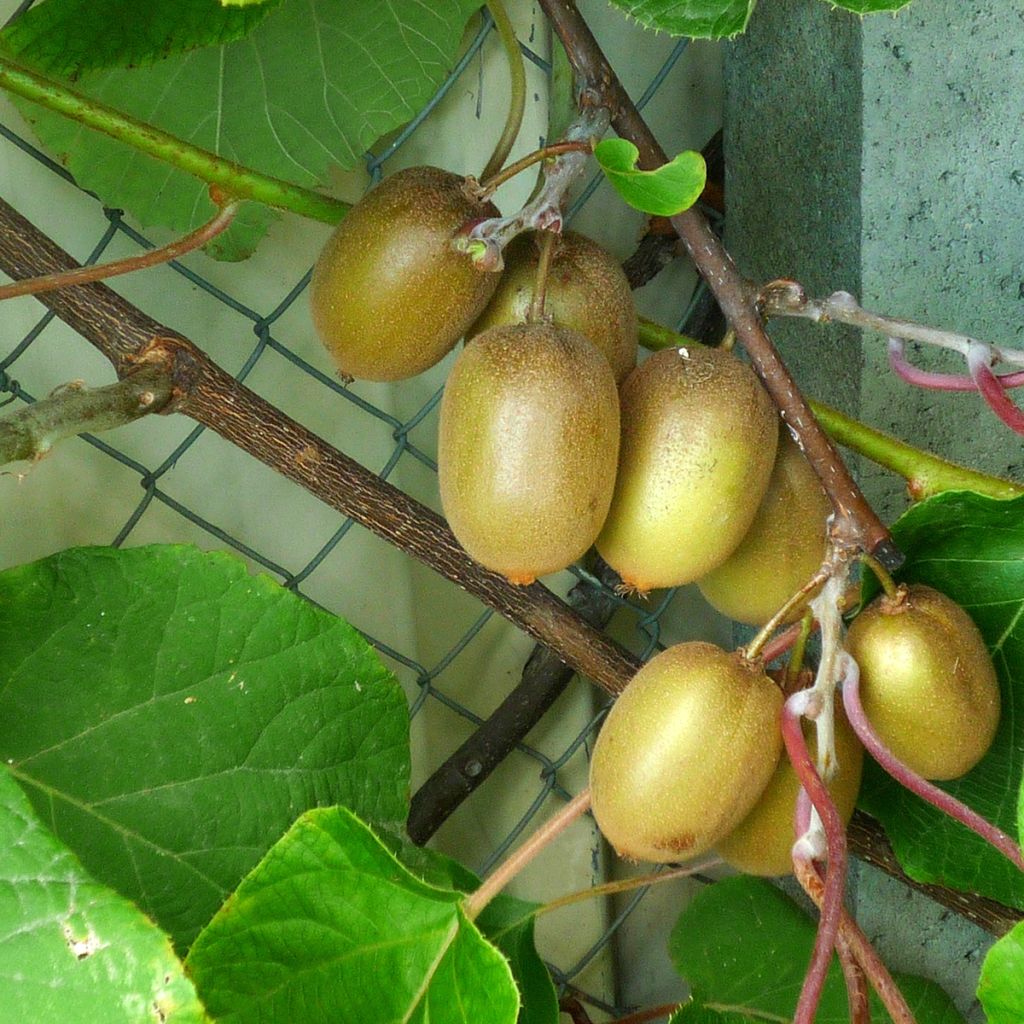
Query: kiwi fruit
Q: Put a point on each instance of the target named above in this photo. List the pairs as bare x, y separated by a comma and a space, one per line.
699, 434
685, 753
762, 842
527, 448
927, 683
586, 291
390, 296
781, 550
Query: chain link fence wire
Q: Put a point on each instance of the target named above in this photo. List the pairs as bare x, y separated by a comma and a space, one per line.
639, 624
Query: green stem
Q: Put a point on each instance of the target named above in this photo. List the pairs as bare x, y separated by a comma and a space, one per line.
926, 474
238, 181
517, 88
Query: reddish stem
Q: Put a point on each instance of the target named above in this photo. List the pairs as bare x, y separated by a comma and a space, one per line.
991, 390
857, 942
856, 983
164, 254
908, 778
941, 381
835, 839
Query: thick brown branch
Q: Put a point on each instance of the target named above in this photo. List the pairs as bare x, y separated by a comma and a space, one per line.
214, 398
126, 336
855, 522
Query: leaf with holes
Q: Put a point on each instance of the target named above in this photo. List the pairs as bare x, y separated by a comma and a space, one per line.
1001, 988
312, 87
700, 19
972, 549
68, 37
170, 715
331, 929
744, 947
70, 948
666, 191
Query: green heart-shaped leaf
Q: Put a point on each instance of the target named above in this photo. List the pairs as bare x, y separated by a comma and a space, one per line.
666, 191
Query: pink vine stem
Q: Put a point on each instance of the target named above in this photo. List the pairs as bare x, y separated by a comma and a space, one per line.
831, 904
942, 381
978, 359
908, 778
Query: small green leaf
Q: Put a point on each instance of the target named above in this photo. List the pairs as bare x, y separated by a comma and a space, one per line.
69, 37
972, 549
1001, 988
869, 6
699, 19
70, 948
170, 715
289, 100
669, 190
331, 928
744, 947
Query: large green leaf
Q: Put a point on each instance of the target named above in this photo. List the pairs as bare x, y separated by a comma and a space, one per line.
972, 549
506, 921
313, 86
1001, 988
331, 928
67, 37
665, 191
700, 19
71, 949
170, 715
744, 947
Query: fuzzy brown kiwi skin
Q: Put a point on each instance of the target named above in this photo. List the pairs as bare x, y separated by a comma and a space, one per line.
685, 753
783, 548
699, 434
586, 291
927, 682
762, 842
389, 295
527, 448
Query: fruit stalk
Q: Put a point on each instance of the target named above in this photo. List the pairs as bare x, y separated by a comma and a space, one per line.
908, 778
238, 181
856, 983
855, 522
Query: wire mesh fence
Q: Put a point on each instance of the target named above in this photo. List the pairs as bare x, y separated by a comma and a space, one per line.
640, 625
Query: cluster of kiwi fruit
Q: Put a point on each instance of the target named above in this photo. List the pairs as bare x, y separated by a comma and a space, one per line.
551, 440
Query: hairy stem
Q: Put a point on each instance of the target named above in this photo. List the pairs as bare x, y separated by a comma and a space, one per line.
908, 778
74, 409
857, 1000
517, 87
237, 181
629, 884
523, 855
535, 314
100, 272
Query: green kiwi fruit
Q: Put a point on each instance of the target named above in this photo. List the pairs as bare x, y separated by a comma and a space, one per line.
927, 682
527, 448
762, 842
586, 291
685, 753
390, 296
699, 434
783, 548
